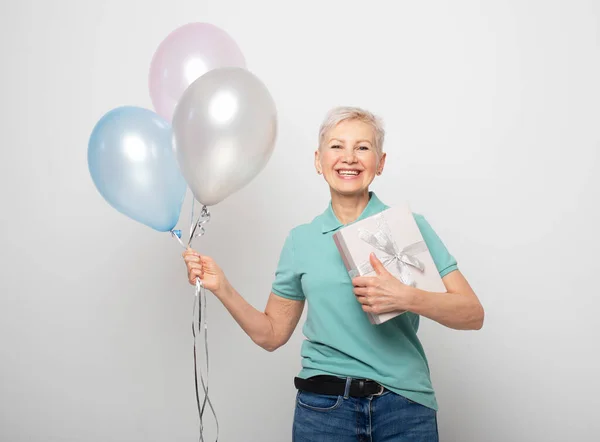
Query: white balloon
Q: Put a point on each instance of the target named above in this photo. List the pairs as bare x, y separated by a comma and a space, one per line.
225, 127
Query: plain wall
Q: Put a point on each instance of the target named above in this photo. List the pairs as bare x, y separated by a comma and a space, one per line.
492, 110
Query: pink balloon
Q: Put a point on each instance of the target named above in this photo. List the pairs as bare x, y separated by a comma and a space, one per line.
185, 55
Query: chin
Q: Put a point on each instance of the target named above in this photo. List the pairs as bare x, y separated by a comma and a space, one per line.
349, 190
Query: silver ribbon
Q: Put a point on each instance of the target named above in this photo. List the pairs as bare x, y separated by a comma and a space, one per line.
383, 241
196, 228
199, 325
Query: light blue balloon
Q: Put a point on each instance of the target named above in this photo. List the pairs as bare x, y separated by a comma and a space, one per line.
132, 164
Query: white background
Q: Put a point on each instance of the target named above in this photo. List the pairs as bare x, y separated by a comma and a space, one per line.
492, 113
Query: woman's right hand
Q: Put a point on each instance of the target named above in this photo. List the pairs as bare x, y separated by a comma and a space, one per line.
205, 268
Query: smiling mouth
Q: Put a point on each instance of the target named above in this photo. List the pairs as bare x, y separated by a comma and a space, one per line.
348, 173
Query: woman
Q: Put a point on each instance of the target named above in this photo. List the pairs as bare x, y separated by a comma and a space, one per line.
359, 381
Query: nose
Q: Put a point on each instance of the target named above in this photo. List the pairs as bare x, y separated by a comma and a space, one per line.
349, 156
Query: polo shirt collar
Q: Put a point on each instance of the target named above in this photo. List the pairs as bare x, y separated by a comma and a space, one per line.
330, 222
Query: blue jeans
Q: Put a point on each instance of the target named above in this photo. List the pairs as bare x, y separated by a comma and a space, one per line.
385, 418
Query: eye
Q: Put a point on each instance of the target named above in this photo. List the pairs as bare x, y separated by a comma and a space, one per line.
335, 146
363, 148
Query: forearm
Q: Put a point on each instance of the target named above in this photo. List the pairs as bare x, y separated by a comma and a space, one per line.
454, 310
256, 324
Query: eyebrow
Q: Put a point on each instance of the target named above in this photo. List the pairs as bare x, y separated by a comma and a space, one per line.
358, 141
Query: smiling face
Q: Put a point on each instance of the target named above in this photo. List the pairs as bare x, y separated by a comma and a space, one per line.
348, 158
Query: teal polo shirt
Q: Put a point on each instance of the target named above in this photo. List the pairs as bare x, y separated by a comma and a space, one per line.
340, 340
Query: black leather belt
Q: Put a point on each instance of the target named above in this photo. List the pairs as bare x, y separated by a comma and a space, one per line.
335, 386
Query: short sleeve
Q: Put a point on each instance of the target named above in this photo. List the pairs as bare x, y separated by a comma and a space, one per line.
287, 282
443, 260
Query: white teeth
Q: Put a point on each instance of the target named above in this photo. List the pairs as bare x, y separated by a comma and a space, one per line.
348, 172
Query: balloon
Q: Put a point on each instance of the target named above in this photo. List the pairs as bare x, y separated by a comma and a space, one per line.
133, 166
185, 55
224, 127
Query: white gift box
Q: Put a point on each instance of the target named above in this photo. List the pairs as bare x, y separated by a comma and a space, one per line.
394, 236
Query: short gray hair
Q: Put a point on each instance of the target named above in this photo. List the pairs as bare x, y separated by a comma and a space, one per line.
347, 113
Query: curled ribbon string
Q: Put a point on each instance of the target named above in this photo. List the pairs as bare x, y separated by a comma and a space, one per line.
200, 301
196, 230
383, 241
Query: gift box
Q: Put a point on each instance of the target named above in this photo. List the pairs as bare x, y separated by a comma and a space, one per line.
394, 236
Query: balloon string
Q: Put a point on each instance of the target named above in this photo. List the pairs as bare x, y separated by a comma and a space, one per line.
196, 230
175, 235
200, 300
192, 211
201, 438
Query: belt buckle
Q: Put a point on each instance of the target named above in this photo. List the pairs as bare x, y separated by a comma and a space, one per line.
381, 388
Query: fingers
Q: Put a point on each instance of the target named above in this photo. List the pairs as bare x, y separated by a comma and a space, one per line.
195, 270
367, 305
193, 274
193, 263
189, 251
191, 258
377, 265
365, 281
361, 291
362, 299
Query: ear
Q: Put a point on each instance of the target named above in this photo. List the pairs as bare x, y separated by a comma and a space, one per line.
318, 162
381, 163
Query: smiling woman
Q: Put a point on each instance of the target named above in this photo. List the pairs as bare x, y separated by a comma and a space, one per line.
358, 381
350, 151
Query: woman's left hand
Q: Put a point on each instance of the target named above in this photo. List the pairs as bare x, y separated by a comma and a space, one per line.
382, 293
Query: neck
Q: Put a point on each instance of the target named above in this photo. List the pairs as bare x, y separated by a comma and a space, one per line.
347, 208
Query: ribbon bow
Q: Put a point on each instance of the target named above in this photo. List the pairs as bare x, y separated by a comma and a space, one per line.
383, 241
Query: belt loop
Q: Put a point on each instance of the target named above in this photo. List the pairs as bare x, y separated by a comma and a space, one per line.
347, 389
